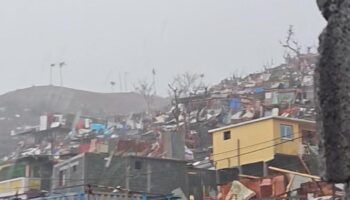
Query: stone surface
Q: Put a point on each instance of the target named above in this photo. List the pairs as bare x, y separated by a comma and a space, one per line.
332, 83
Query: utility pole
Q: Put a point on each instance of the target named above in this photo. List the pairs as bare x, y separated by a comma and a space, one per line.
61, 64
127, 175
51, 67
239, 156
120, 82
201, 83
149, 177
154, 80
125, 81
112, 86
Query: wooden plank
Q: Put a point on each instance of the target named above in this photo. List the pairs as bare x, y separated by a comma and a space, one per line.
295, 173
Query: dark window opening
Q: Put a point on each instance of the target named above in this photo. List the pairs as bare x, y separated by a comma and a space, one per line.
74, 168
138, 164
227, 135
62, 177
309, 137
36, 172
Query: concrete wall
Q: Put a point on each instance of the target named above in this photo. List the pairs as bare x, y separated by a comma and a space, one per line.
97, 173
74, 169
174, 145
159, 176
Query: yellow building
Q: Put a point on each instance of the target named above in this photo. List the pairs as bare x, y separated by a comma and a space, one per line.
259, 140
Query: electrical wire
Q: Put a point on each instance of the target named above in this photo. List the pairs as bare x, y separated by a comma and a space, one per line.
258, 149
100, 186
155, 172
138, 174
250, 152
278, 138
256, 144
93, 179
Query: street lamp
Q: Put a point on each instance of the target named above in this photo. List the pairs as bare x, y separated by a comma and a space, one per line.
51, 67
61, 64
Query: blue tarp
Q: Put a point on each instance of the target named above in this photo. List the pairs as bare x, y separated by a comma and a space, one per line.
258, 90
235, 104
99, 128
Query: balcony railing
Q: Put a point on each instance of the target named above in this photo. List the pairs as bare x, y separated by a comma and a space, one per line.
19, 186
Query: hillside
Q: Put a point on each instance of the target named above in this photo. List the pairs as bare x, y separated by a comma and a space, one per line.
24, 106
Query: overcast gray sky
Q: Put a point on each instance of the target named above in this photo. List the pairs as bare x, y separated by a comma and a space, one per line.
100, 39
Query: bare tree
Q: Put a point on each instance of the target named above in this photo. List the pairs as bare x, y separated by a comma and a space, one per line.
188, 83
174, 92
290, 43
293, 56
146, 89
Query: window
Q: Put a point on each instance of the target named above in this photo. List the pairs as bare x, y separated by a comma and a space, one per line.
286, 131
62, 178
138, 164
74, 168
309, 137
227, 135
36, 171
